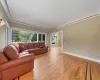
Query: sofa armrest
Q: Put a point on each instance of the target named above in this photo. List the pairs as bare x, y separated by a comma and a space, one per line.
16, 62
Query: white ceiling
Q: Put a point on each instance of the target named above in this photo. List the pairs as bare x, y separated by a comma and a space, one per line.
51, 13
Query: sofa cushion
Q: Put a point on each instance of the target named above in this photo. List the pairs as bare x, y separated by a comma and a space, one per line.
30, 45
3, 58
33, 45
17, 46
36, 45
41, 47
11, 52
31, 51
42, 44
22, 47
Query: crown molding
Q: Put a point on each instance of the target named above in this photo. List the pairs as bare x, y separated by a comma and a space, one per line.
29, 25
79, 20
6, 8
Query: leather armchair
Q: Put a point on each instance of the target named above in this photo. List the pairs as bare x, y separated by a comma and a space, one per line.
11, 68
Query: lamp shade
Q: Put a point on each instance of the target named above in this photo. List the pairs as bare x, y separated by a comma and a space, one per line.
2, 22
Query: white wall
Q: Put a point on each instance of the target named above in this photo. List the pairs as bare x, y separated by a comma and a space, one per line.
83, 38
2, 37
4, 16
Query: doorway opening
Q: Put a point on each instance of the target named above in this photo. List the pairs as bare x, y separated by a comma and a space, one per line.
56, 39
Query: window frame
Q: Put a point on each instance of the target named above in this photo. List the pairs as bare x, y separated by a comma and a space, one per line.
9, 34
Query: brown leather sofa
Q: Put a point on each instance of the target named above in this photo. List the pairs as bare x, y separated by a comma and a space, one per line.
13, 64
33, 48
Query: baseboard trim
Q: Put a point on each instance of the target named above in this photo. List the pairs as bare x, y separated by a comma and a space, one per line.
84, 57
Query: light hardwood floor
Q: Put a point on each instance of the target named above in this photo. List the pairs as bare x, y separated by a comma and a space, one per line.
55, 65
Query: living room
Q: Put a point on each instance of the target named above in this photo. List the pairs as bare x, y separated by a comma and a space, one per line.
49, 40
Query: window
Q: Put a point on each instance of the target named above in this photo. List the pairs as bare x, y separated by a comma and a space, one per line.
26, 36
44, 37
21, 36
15, 36
34, 37
41, 37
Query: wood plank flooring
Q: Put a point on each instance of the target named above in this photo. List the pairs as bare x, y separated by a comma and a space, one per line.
55, 65
27, 76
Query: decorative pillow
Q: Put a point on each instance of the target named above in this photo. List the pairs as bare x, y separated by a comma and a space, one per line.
22, 48
11, 52
40, 46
